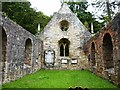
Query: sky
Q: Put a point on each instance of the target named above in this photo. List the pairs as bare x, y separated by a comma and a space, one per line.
48, 7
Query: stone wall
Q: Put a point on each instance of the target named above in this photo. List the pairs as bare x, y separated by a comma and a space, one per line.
66, 28
18, 47
107, 51
23, 53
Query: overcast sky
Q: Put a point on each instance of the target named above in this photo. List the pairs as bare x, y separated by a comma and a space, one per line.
48, 7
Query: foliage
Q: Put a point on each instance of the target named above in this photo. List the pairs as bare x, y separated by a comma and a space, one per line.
24, 15
80, 9
108, 9
60, 79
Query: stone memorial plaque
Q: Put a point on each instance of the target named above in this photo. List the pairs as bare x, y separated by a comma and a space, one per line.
74, 61
49, 56
64, 61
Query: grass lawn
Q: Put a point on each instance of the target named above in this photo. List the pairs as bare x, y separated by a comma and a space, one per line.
60, 79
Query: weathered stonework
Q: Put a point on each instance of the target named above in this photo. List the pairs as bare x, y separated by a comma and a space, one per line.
14, 43
76, 35
63, 44
107, 51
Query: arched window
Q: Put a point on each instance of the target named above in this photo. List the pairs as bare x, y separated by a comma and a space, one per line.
64, 47
93, 62
108, 51
28, 52
64, 25
4, 45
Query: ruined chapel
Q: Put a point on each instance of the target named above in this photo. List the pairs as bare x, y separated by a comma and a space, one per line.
65, 43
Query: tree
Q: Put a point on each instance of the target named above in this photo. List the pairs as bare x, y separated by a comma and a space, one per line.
24, 15
108, 7
42, 20
80, 9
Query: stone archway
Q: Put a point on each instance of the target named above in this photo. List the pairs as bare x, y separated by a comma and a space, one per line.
93, 62
28, 54
108, 51
4, 51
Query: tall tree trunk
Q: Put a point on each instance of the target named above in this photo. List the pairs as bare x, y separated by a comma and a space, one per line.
108, 9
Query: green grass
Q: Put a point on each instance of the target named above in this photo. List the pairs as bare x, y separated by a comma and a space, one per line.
60, 79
